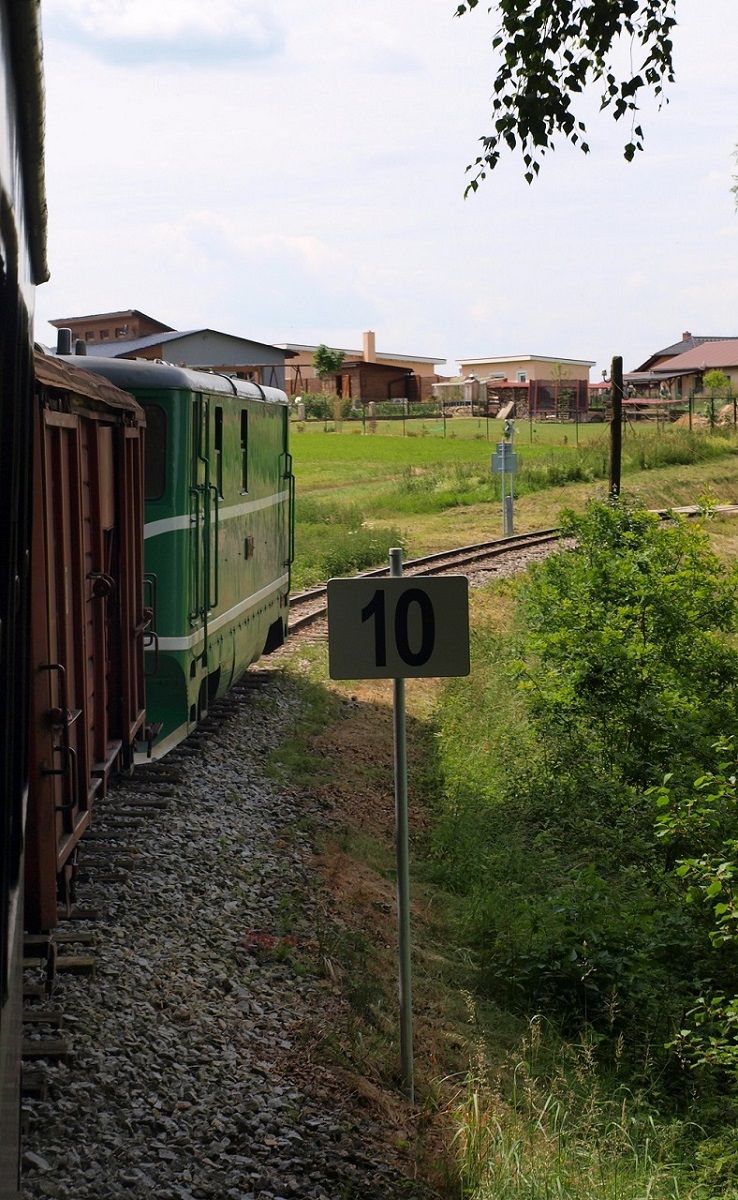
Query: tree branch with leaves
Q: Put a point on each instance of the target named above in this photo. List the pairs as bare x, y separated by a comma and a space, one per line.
326, 361
551, 50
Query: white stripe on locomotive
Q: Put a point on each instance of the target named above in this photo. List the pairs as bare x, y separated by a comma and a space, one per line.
169, 524
187, 643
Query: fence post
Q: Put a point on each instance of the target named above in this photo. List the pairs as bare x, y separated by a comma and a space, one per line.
616, 425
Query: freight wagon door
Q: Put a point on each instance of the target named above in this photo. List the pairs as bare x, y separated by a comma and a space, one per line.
69, 652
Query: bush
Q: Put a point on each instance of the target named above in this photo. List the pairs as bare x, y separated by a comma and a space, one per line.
326, 406
623, 670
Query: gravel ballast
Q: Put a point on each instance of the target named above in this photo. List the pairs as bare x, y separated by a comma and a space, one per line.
192, 1074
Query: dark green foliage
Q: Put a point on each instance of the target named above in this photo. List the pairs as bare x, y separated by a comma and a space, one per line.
626, 638
623, 670
550, 50
327, 361
700, 826
322, 407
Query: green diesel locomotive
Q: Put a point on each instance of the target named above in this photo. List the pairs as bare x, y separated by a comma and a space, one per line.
218, 532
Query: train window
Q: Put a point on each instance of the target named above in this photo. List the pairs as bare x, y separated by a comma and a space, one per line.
155, 459
244, 450
219, 450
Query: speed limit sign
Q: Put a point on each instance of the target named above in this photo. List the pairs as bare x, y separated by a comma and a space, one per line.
398, 628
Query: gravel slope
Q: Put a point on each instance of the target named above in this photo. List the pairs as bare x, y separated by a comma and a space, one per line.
192, 1075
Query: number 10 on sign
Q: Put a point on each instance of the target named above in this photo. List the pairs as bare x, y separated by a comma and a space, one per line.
398, 628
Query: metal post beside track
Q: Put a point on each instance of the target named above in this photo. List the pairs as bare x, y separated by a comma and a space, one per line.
402, 849
616, 425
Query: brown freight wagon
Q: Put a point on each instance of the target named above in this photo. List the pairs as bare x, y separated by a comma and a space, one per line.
88, 621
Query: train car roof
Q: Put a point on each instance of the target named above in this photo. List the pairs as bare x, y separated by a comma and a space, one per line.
53, 372
134, 373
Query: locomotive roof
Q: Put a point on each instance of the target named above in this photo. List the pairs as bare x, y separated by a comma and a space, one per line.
65, 376
129, 373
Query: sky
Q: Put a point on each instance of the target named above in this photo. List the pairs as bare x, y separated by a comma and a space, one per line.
294, 171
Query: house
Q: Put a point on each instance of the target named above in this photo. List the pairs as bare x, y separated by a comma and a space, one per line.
521, 368
669, 374
124, 325
687, 342
532, 384
202, 349
354, 377
684, 373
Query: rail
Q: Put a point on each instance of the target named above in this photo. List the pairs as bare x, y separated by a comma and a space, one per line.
310, 605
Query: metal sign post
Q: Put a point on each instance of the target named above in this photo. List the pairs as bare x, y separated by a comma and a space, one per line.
398, 628
402, 852
504, 463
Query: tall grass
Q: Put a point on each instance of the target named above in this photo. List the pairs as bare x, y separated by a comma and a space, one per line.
442, 486
545, 1126
332, 539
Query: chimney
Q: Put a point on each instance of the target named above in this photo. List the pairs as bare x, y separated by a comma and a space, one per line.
686, 335
370, 353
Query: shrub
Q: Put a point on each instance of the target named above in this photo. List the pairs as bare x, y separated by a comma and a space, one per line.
623, 670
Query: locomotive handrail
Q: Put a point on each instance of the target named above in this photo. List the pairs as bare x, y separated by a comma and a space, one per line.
151, 639
196, 611
213, 603
151, 580
289, 478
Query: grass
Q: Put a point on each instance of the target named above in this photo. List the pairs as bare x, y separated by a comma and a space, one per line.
532, 1130
507, 1108
537, 1118
360, 495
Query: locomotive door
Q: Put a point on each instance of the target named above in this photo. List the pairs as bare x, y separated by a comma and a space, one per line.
204, 522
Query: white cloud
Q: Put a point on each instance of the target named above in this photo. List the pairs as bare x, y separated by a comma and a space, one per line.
139, 31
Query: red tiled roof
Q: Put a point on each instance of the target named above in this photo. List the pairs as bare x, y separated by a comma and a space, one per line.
702, 358
688, 342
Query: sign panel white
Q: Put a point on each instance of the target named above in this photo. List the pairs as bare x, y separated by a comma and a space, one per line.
407, 627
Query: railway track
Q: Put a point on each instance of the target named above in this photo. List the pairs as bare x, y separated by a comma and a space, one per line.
310, 606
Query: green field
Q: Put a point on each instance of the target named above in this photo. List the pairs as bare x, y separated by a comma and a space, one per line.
358, 494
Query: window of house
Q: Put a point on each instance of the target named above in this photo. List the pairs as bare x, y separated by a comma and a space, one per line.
522, 376
244, 450
89, 335
121, 331
104, 335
